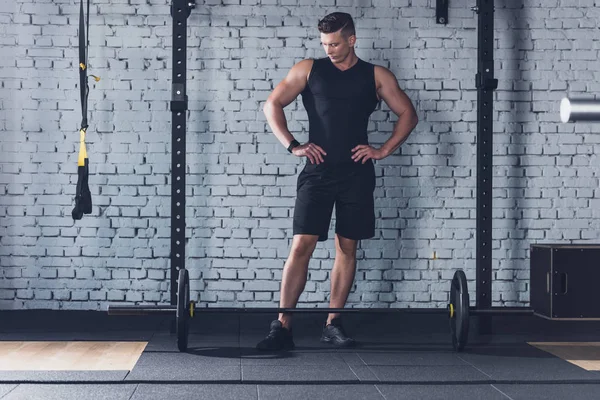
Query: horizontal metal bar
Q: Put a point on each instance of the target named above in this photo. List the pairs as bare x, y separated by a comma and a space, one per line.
168, 309
573, 110
317, 310
501, 311
142, 310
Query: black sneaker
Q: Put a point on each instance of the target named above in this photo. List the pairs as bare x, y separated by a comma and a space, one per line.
335, 335
279, 338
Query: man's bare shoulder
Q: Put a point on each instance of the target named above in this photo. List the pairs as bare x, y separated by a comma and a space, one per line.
301, 70
304, 66
382, 72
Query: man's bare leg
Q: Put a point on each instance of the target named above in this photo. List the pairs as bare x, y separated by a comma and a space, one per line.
295, 273
342, 274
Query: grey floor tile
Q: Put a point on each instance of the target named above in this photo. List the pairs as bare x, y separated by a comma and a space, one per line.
524, 363
404, 339
71, 392
312, 342
400, 345
62, 376
554, 391
292, 358
318, 392
309, 342
195, 391
352, 359
454, 373
318, 373
364, 373
201, 357
168, 342
440, 392
207, 375
411, 358
507, 350
6, 388
186, 366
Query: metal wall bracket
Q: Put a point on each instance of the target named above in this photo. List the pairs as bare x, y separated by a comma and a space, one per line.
441, 11
187, 8
482, 82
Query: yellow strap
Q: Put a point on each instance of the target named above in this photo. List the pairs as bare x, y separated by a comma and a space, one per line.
82, 149
82, 65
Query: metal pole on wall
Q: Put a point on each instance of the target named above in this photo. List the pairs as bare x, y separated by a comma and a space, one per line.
485, 84
180, 11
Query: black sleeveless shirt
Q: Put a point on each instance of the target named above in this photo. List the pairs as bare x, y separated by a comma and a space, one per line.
339, 104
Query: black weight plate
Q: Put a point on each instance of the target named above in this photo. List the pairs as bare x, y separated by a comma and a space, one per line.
459, 298
183, 315
453, 297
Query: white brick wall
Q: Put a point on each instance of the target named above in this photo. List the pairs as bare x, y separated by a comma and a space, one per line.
241, 182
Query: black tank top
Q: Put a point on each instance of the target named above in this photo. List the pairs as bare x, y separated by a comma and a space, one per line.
339, 104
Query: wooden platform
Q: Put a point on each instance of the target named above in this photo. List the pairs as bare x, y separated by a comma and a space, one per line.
69, 356
121, 356
583, 354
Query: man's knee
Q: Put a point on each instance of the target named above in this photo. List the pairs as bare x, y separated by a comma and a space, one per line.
345, 247
303, 246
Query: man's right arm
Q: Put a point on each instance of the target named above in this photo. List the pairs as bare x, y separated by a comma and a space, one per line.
286, 92
291, 86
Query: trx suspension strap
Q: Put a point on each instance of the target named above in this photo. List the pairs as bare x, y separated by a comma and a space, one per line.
83, 197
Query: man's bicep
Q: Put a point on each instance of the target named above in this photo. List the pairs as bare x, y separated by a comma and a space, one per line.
396, 99
291, 86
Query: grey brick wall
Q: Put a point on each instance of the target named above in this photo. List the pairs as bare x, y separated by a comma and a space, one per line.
241, 182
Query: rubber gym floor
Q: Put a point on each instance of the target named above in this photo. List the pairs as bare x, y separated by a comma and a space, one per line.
80, 355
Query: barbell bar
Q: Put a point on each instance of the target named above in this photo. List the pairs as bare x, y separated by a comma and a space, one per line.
574, 110
170, 310
458, 310
142, 310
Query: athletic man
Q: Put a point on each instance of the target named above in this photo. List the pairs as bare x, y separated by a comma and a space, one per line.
339, 93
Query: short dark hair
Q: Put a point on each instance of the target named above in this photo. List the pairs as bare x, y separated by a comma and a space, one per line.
335, 21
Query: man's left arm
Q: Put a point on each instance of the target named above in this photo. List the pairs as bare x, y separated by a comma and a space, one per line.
400, 104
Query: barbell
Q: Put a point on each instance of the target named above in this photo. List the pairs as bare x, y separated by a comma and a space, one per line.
458, 310
579, 110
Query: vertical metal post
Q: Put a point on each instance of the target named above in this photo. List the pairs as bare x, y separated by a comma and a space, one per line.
180, 11
486, 84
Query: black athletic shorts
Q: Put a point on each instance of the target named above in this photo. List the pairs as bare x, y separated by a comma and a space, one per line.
349, 187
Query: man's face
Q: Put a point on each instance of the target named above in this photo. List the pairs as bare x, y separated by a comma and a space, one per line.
336, 46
